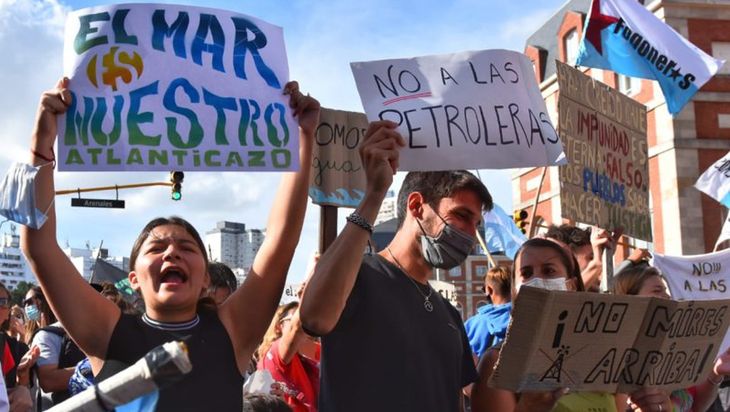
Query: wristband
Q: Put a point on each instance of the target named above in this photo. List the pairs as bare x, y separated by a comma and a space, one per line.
40, 156
360, 221
716, 383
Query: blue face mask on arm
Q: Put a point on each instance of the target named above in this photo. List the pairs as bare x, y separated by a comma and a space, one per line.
17, 196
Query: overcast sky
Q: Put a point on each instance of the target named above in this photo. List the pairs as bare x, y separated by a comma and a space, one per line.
322, 38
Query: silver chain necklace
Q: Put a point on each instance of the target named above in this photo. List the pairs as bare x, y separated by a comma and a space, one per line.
426, 297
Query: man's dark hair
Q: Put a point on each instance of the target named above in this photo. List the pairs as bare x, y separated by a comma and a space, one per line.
221, 276
435, 186
263, 402
572, 236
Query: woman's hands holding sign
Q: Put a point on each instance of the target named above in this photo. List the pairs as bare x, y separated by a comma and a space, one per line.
379, 154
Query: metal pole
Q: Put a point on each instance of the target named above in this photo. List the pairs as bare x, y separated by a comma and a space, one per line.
115, 187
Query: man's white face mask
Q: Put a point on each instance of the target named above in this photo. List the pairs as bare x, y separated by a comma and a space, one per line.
548, 284
17, 196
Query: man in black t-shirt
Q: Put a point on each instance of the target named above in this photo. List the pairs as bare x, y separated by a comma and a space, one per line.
390, 342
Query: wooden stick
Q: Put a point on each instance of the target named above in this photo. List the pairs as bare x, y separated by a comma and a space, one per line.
533, 216
484, 246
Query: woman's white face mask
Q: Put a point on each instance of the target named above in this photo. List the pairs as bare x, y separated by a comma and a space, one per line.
548, 284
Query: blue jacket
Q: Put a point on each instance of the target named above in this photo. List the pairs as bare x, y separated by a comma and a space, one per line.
488, 327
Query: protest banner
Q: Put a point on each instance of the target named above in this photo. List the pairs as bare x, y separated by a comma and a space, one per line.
697, 277
606, 343
626, 37
715, 181
166, 87
606, 180
337, 178
469, 110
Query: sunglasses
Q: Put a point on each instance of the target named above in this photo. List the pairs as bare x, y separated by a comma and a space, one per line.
29, 301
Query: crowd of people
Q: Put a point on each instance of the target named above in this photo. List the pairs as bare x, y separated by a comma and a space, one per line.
368, 332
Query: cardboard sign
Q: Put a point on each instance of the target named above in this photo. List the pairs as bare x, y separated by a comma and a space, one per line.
338, 178
469, 110
165, 87
697, 277
606, 180
606, 343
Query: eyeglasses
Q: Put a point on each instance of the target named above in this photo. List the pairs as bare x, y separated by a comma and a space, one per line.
4, 302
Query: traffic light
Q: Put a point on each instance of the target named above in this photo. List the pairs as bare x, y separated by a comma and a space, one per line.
176, 179
520, 218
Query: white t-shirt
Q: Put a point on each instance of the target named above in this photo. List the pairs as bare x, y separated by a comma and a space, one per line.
50, 345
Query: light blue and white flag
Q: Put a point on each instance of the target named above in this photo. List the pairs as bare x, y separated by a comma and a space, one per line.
623, 36
501, 233
715, 182
146, 403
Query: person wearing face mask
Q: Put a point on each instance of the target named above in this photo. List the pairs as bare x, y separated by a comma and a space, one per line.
390, 342
168, 267
37, 311
544, 264
58, 352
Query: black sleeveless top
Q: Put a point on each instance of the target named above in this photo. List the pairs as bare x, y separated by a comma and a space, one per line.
214, 383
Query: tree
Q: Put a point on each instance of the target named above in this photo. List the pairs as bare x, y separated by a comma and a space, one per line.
17, 295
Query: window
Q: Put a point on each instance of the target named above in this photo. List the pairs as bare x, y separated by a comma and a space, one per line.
721, 50
455, 272
570, 46
627, 85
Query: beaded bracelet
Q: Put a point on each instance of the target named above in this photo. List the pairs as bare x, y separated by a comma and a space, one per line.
360, 221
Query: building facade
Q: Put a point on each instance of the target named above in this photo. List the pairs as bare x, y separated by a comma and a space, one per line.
14, 267
231, 243
387, 209
84, 259
684, 220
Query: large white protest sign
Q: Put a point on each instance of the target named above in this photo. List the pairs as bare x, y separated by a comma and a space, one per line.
697, 277
469, 110
715, 181
166, 87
